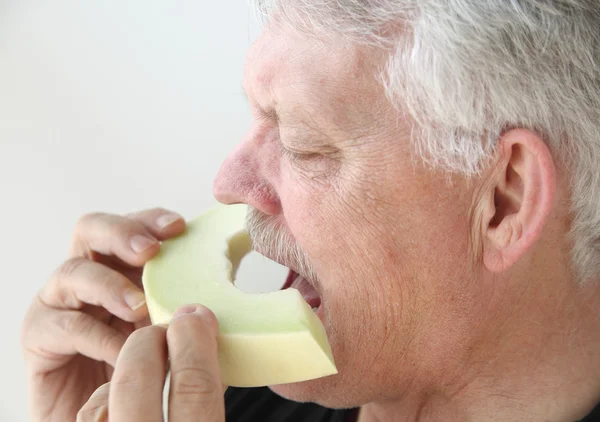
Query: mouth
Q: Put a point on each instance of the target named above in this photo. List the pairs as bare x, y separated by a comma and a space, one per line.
306, 289
297, 281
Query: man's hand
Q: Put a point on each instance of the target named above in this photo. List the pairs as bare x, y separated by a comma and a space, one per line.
136, 391
78, 323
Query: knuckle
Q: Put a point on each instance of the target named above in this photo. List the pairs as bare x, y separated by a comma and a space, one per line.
158, 211
148, 217
75, 324
112, 340
83, 222
152, 332
123, 228
85, 218
69, 269
194, 382
93, 412
126, 226
117, 225
112, 283
140, 216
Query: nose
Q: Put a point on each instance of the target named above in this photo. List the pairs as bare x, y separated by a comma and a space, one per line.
243, 179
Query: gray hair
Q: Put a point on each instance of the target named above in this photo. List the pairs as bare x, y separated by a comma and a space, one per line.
277, 244
466, 70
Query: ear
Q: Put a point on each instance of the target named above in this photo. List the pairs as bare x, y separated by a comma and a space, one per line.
523, 189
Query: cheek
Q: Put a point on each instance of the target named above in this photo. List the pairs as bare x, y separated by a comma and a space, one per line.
352, 240
389, 259
305, 202
356, 259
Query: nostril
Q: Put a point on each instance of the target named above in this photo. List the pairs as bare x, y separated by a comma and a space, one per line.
264, 192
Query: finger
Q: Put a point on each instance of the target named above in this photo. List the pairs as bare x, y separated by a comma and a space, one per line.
123, 326
96, 408
79, 282
109, 234
162, 224
195, 379
138, 381
52, 334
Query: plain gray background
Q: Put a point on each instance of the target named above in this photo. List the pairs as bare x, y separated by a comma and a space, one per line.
109, 106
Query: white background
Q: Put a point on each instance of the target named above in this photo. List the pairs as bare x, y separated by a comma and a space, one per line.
108, 106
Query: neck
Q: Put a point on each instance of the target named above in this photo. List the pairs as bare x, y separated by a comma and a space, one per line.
541, 366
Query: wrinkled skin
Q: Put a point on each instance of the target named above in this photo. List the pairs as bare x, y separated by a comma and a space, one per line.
188, 348
422, 275
360, 210
76, 326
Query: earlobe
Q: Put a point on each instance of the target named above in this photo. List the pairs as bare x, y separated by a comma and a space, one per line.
523, 188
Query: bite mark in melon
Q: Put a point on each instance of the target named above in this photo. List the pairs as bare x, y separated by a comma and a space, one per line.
264, 339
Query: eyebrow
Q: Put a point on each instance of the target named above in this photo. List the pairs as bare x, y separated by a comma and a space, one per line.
270, 115
303, 127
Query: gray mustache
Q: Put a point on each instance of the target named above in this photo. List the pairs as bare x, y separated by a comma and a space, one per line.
277, 243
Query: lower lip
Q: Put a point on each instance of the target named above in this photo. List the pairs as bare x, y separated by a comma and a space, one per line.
320, 311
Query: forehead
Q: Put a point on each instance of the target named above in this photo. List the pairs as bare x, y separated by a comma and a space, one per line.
285, 66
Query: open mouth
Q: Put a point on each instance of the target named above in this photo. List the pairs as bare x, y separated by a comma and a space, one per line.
306, 289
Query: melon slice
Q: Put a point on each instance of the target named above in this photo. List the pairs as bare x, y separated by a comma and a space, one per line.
264, 339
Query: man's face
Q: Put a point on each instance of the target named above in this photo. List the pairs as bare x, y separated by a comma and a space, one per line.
327, 161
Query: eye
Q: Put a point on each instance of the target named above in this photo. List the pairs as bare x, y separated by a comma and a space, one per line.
307, 153
294, 155
311, 164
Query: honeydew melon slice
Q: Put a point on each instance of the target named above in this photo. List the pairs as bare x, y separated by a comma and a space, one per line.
264, 339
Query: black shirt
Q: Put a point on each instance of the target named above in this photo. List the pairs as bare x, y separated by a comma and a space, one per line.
262, 405
594, 416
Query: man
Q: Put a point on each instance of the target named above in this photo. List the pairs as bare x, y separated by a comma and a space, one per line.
431, 169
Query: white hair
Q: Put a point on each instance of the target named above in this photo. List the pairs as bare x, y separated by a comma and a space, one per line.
466, 70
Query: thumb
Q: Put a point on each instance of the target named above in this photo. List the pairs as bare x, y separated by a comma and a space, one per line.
196, 387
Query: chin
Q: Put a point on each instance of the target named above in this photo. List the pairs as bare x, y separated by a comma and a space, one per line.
303, 392
323, 391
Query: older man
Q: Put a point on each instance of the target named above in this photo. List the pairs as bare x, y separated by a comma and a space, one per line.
435, 168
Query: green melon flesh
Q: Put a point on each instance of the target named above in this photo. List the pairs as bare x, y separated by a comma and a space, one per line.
264, 339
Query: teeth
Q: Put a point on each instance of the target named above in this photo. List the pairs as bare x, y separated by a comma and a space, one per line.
315, 309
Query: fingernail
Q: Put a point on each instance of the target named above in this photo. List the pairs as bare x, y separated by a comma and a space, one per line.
166, 220
201, 311
134, 299
185, 310
141, 243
